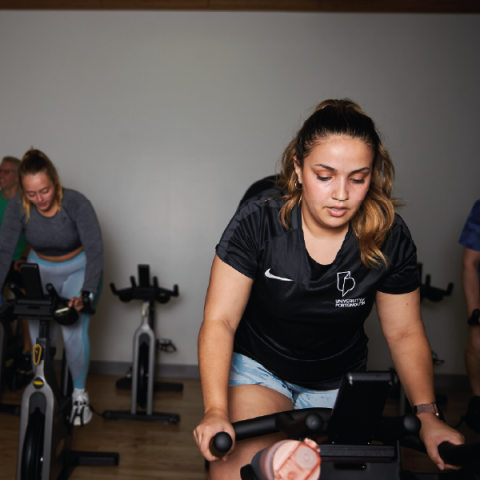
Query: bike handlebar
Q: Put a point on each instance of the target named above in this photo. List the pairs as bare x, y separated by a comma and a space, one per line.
395, 428
307, 422
296, 423
150, 293
87, 304
459, 455
220, 444
54, 308
388, 428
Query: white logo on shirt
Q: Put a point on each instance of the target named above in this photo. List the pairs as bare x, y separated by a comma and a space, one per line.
349, 303
270, 275
345, 283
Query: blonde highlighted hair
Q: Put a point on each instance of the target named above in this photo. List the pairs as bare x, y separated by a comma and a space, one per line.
376, 215
33, 162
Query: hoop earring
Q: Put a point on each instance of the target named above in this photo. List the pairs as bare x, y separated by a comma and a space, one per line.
297, 184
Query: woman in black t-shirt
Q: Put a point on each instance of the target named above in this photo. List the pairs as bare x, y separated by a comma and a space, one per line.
295, 275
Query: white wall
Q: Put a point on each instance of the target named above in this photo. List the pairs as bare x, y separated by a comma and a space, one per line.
163, 119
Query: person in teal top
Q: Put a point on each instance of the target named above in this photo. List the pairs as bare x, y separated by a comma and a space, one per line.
8, 189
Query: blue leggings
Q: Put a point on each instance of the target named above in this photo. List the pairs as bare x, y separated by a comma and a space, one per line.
67, 278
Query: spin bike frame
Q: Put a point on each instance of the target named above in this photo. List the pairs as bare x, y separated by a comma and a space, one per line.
6, 408
43, 398
144, 335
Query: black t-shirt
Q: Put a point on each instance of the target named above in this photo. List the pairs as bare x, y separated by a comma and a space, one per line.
304, 321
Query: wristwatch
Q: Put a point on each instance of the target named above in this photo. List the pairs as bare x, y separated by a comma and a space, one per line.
474, 319
426, 408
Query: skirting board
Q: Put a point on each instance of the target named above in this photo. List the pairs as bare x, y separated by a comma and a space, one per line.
172, 370
168, 370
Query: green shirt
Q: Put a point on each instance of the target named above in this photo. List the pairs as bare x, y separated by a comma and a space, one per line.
22, 243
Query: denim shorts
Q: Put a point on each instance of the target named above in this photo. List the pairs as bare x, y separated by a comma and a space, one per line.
245, 371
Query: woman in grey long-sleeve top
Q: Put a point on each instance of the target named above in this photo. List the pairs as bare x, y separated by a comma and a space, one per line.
62, 228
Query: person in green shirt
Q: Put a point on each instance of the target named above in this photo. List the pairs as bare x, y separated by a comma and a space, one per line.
8, 189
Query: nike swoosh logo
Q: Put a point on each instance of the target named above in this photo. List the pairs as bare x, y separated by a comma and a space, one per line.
270, 275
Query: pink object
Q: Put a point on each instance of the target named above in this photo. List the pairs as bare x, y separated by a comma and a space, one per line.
291, 460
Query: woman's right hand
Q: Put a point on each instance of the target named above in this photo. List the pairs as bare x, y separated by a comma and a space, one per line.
76, 303
213, 422
17, 263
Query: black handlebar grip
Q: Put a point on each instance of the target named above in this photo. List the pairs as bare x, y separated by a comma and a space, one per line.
220, 444
66, 315
412, 423
459, 455
87, 304
51, 290
396, 428
314, 422
300, 428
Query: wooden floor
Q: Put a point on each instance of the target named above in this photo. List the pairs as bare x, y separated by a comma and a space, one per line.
147, 449
164, 452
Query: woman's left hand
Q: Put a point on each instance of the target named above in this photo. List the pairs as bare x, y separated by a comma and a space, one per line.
433, 432
76, 303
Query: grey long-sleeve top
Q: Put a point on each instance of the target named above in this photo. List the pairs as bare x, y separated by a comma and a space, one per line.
75, 225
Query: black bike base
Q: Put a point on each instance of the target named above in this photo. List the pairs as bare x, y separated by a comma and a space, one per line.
126, 384
87, 459
141, 416
11, 409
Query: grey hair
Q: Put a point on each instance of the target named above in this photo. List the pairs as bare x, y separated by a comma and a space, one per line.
16, 162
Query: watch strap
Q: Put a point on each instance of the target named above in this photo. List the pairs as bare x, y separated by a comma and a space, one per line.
474, 319
426, 408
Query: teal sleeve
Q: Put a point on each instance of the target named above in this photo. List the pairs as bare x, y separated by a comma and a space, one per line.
10, 232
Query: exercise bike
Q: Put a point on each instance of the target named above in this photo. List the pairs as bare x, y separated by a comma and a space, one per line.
142, 381
45, 431
11, 358
10, 351
348, 433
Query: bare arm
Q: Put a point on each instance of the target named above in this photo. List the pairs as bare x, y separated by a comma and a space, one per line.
402, 326
470, 279
227, 297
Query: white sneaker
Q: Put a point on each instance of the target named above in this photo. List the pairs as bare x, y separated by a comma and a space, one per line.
81, 412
